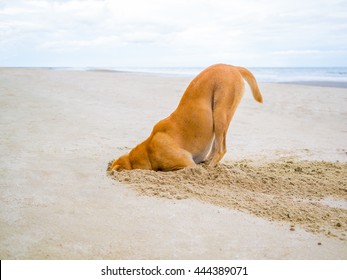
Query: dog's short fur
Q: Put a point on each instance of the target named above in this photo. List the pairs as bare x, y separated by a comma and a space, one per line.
200, 121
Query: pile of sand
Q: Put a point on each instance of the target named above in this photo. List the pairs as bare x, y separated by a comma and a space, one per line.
311, 194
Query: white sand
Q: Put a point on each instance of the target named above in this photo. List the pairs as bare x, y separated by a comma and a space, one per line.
59, 129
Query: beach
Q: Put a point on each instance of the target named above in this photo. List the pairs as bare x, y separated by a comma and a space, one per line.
279, 193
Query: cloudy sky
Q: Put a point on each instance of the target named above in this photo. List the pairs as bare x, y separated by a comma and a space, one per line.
159, 33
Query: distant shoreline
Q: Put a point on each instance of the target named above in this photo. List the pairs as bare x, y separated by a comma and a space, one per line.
317, 84
259, 72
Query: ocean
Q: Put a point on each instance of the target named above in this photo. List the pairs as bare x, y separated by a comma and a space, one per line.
321, 76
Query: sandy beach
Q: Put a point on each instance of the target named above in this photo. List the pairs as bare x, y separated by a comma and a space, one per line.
279, 193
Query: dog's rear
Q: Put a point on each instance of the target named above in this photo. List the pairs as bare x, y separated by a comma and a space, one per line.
226, 99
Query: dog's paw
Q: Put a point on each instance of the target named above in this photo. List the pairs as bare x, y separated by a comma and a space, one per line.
112, 166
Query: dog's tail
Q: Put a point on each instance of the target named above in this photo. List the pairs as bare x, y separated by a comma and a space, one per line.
248, 76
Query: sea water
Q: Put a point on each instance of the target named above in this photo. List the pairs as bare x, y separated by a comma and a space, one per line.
330, 76
263, 74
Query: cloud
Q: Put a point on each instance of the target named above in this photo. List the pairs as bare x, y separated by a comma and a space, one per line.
298, 52
72, 45
249, 32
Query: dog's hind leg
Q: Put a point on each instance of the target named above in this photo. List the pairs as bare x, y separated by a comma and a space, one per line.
225, 105
219, 145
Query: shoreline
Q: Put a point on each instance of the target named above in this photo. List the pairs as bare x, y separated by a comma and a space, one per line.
306, 82
327, 84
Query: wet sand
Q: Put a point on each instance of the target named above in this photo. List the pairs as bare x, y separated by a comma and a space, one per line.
61, 128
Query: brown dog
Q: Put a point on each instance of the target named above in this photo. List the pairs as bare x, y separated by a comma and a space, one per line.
200, 121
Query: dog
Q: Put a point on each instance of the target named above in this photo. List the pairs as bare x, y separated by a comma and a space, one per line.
196, 131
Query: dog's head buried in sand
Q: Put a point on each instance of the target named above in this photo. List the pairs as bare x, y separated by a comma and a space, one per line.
196, 131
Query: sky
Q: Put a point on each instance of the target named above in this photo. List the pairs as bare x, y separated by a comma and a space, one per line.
173, 33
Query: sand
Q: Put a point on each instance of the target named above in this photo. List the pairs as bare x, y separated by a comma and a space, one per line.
306, 193
59, 129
